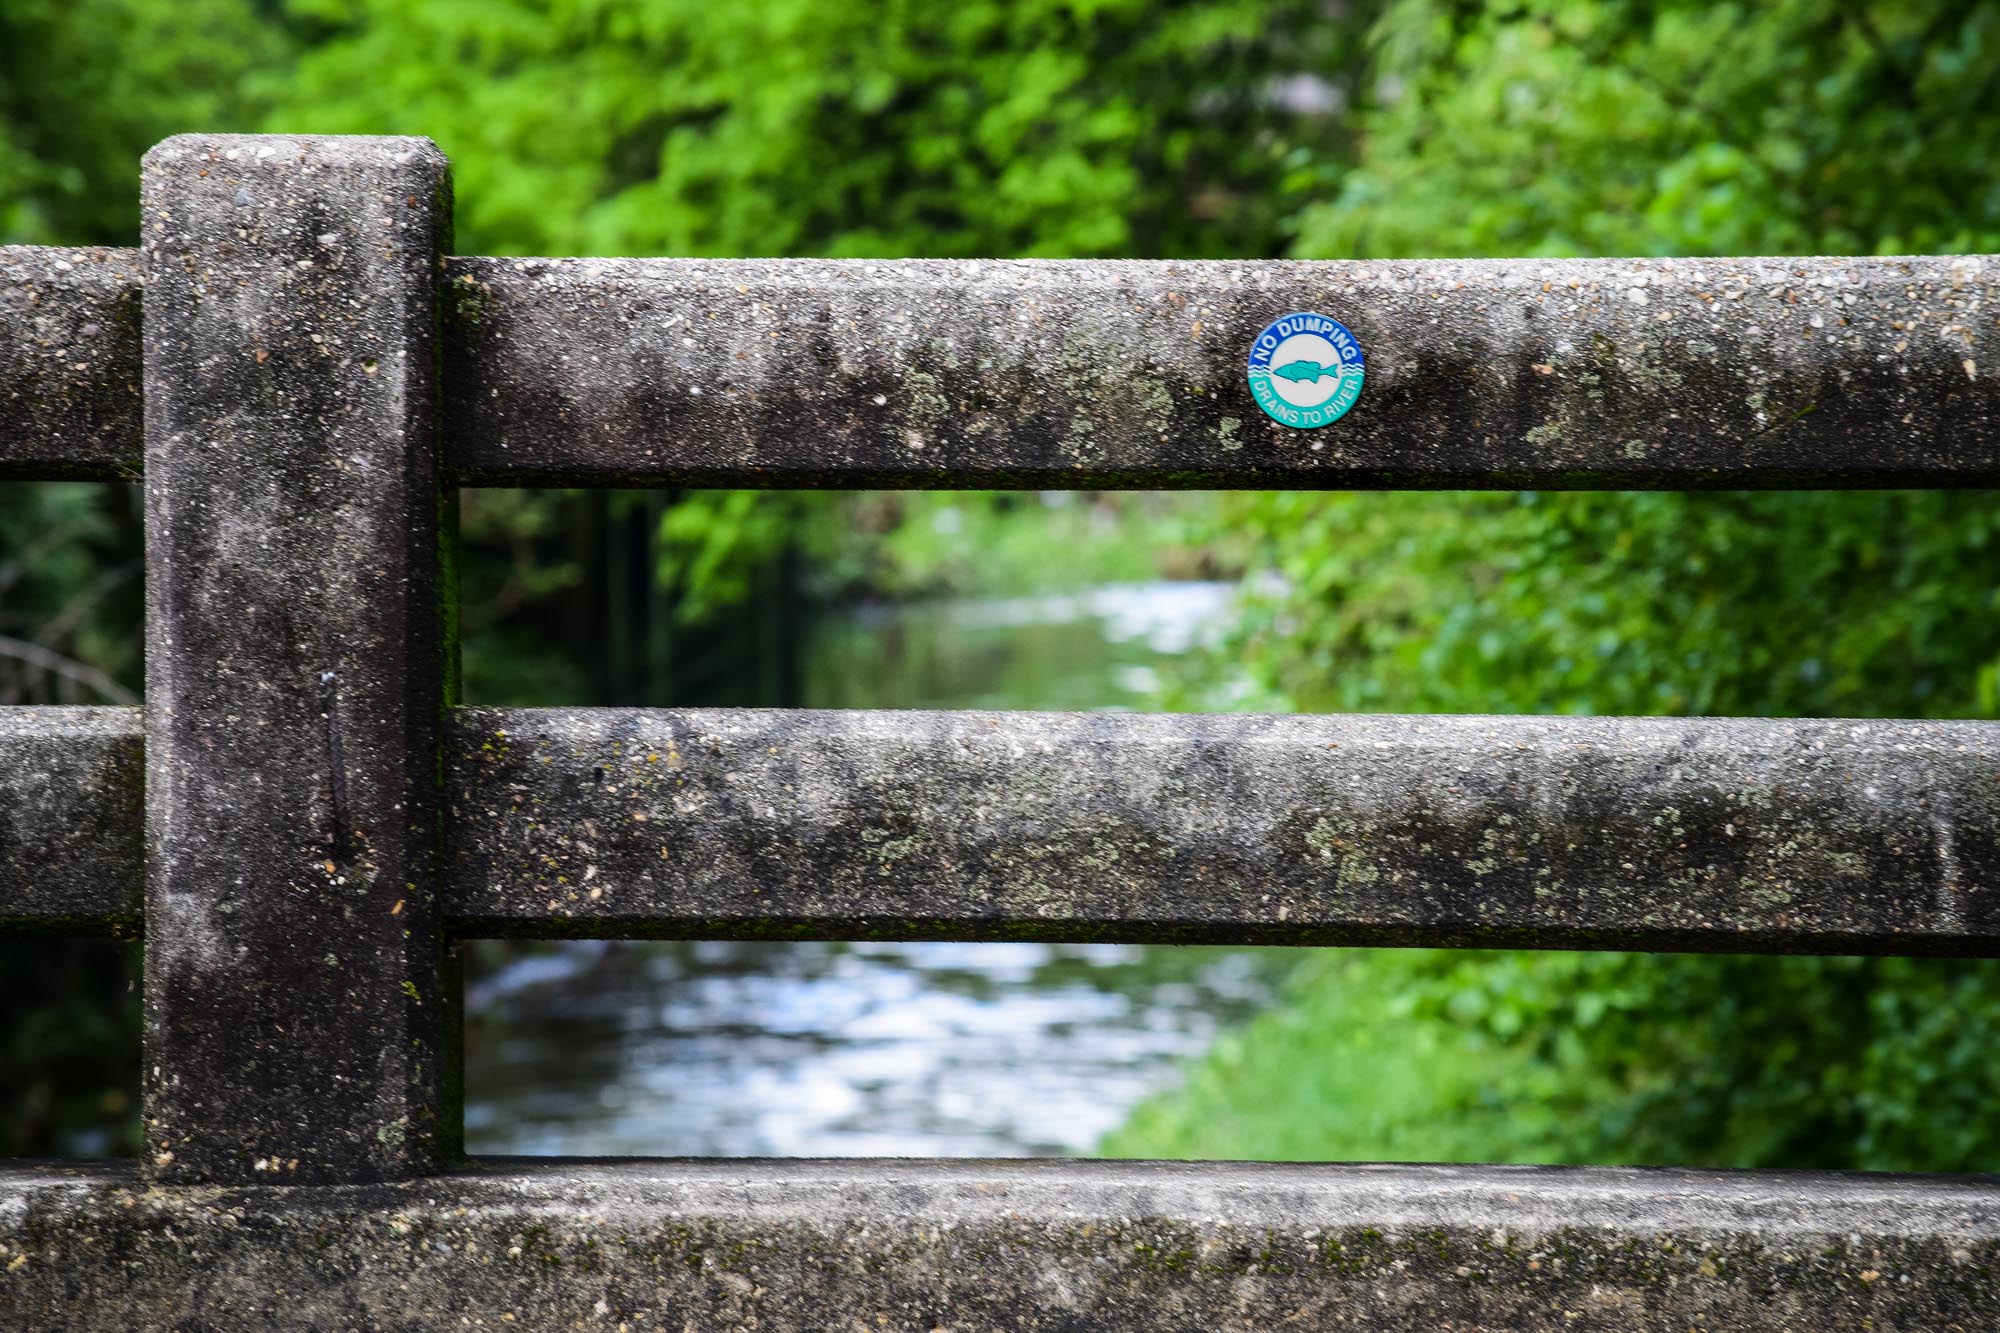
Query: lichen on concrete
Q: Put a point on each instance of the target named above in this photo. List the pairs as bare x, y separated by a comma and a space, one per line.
806, 1245
1529, 372
295, 665
1725, 834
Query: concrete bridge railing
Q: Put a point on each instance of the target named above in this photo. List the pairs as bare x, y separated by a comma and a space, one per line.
303, 822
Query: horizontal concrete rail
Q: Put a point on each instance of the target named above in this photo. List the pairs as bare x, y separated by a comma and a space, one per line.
1727, 835
985, 1245
1544, 373
1556, 374
71, 789
70, 404
1564, 832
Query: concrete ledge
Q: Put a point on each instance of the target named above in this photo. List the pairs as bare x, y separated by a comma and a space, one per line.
1640, 373
70, 405
1730, 835
1009, 1245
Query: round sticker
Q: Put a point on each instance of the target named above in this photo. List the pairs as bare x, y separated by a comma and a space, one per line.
1305, 370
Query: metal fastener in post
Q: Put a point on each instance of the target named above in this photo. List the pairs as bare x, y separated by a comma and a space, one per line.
295, 659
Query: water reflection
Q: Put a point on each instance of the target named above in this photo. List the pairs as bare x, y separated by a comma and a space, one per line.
1096, 648
895, 1049
729, 1049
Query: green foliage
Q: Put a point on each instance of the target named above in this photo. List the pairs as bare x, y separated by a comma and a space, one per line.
513, 557
70, 594
86, 86
72, 1082
1880, 1064
1571, 128
1011, 543
1362, 1061
1630, 127
1774, 604
801, 127
911, 543
1216, 127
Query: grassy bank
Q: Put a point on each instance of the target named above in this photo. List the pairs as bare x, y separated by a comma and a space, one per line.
1604, 1058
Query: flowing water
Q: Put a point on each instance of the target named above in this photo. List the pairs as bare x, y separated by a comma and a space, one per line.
906, 1049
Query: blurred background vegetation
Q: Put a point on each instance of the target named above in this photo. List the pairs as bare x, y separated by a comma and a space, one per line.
1238, 128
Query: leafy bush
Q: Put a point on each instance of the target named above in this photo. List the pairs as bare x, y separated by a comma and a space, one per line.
1551, 127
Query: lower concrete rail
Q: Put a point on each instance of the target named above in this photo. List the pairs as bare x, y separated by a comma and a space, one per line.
1732, 835
888, 1245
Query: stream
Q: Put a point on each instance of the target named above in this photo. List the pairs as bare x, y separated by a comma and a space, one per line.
721, 1048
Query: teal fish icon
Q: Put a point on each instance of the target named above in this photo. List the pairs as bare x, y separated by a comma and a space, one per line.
1305, 372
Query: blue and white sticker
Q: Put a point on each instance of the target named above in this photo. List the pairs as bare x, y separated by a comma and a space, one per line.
1305, 370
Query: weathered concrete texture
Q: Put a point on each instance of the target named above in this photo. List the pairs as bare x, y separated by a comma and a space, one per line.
1009, 1245
69, 364
1728, 835
1605, 373
295, 659
71, 784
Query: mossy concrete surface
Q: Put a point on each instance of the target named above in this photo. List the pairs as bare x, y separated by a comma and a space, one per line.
678, 1245
296, 659
1733, 835
1662, 373
1667, 373
1723, 834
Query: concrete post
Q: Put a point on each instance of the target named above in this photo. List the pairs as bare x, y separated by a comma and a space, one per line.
296, 660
